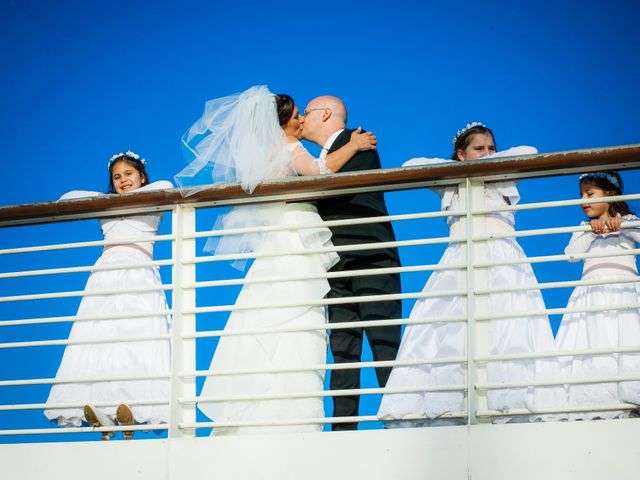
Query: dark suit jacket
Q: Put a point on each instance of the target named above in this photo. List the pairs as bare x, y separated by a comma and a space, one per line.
358, 206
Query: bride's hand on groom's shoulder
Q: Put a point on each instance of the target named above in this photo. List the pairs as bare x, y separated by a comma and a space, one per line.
363, 140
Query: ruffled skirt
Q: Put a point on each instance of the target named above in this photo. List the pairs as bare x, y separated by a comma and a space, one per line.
287, 350
597, 330
116, 358
438, 340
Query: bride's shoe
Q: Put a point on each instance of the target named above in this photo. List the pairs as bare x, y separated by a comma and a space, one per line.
96, 418
124, 415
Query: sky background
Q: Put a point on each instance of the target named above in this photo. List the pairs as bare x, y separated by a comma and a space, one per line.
84, 80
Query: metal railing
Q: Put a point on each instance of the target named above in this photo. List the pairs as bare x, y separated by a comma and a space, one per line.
202, 289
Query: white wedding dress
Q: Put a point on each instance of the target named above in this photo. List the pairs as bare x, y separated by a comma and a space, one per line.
290, 350
521, 335
611, 328
117, 358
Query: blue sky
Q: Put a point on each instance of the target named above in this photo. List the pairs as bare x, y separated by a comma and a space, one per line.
84, 80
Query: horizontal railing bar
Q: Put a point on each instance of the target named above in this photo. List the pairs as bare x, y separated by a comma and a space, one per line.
60, 380
325, 326
311, 421
562, 381
316, 394
89, 268
256, 423
94, 341
326, 301
94, 243
564, 284
566, 409
328, 275
85, 293
59, 430
276, 423
87, 318
337, 249
555, 311
326, 224
325, 366
55, 406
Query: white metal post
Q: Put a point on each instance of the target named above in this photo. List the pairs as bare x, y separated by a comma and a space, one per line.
472, 197
183, 352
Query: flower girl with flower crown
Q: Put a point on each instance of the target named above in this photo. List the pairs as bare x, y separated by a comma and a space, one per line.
105, 402
618, 325
433, 341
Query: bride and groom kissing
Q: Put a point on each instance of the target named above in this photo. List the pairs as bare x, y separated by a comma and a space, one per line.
268, 404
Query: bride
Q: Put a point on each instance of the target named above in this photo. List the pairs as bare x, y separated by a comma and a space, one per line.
249, 138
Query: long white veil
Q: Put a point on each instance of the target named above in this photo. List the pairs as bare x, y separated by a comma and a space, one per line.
237, 139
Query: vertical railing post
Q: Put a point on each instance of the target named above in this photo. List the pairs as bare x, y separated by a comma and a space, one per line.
183, 352
472, 197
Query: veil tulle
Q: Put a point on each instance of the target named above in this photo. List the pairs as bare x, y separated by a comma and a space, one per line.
237, 140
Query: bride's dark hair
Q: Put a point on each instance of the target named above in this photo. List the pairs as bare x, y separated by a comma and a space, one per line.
284, 105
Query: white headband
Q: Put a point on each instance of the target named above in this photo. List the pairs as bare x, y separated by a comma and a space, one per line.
129, 154
612, 179
463, 130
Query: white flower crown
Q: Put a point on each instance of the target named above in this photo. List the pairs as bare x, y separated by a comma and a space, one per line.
463, 130
129, 154
607, 176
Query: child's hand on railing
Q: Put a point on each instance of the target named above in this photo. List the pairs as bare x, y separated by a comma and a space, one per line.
614, 223
604, 226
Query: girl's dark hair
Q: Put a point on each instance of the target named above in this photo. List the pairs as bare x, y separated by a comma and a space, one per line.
284, 105
600, 180
461, 141
136, 163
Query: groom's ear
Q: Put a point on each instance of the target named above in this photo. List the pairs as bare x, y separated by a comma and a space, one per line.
326, 114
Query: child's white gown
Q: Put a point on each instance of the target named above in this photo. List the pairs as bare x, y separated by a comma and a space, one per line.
448, 339
606, 329
119, 358
278, 350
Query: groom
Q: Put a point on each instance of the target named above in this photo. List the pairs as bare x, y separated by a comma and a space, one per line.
324, 124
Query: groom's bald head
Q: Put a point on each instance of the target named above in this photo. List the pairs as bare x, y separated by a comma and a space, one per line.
335, 105
323, 116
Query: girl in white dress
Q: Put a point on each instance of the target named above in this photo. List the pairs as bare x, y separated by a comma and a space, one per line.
106, 401
272, 126
611, 328
448, 339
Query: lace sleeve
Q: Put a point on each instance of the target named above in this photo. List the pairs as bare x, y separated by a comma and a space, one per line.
304, 163
631, 232
580, 242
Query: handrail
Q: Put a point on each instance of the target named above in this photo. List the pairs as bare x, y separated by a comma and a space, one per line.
185, 260
622, 157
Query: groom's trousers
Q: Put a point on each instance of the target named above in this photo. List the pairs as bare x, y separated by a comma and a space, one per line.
346, 344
